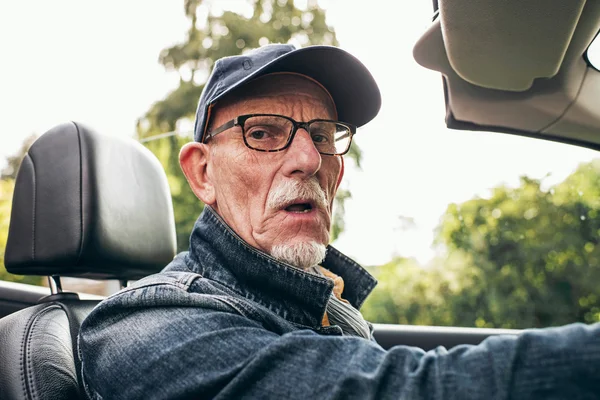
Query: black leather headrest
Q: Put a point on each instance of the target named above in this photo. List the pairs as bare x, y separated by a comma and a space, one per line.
91, 206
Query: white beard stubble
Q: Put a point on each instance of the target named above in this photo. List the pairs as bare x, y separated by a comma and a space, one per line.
302, 255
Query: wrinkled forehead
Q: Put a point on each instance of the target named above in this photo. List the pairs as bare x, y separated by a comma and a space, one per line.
277, 84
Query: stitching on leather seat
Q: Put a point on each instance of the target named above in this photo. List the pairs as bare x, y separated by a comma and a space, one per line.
80, 189
22, 358
34, 207
29, 366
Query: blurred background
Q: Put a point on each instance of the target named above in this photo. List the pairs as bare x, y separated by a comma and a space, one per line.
460, 228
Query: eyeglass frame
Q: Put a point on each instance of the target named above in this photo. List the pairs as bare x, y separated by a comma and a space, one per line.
240, 120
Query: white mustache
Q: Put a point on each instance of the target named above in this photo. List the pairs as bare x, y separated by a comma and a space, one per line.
292, 190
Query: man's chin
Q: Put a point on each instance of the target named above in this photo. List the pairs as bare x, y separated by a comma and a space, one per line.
300, 254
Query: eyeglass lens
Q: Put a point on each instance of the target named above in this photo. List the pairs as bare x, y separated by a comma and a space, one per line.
272, 133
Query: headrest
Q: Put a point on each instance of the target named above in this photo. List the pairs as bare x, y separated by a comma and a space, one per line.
90, 206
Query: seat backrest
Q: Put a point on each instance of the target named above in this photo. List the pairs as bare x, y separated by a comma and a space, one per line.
37, 351
84, 205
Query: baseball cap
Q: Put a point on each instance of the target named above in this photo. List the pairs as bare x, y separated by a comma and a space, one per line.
350, 84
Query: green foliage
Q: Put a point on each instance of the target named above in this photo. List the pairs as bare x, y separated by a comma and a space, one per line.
409, 293
7, 184
186, 206
211, 36
6, 191
536, 250
338, 225
529, 257
13, 162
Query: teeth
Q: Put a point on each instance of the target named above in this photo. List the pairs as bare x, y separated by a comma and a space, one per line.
300, 208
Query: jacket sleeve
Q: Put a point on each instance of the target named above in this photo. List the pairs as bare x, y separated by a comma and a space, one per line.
211, 352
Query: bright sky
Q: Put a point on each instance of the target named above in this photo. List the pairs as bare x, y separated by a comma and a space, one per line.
96, 62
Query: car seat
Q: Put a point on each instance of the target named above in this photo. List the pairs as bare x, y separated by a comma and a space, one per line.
84, 205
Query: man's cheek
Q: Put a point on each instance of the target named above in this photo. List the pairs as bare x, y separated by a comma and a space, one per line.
331, 194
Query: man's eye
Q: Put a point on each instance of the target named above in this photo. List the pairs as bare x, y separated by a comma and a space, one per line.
258, 134
264, 133
318, 138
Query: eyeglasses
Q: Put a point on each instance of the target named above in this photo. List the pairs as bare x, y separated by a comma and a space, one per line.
271, 132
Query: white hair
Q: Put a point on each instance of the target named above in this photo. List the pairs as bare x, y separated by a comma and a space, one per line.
301, 255
293, 189
305, 254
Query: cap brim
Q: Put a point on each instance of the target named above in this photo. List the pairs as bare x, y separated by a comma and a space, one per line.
355, 93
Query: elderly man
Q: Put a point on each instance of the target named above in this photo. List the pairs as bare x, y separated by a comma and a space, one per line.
260, 306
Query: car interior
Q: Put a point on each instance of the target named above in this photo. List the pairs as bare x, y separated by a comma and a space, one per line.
513, 68
99, 207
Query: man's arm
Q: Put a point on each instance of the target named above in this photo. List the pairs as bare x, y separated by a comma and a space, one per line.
179, 352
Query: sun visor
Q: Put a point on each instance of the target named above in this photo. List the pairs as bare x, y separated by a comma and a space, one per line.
503, 45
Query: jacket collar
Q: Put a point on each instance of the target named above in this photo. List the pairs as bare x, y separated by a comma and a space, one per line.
218, 253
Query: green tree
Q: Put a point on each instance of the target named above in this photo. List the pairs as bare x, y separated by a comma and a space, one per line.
525, 257
7, 184
536, 252
6, 191
13, 162
211, 36
412, 294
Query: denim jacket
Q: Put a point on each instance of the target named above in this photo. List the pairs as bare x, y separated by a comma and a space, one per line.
227, 321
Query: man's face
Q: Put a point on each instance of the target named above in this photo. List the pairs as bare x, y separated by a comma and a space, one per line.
246, 181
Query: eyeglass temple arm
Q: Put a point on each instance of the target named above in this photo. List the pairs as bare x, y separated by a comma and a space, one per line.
221, 128
344, 136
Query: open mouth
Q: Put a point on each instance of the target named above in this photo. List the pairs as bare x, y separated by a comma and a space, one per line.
301, 207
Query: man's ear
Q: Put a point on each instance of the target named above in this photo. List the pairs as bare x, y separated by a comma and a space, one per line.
193, 159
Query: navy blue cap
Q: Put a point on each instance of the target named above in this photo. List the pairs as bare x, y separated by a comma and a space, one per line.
354, 91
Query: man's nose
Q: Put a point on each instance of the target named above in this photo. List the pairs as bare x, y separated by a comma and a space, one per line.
302, 157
